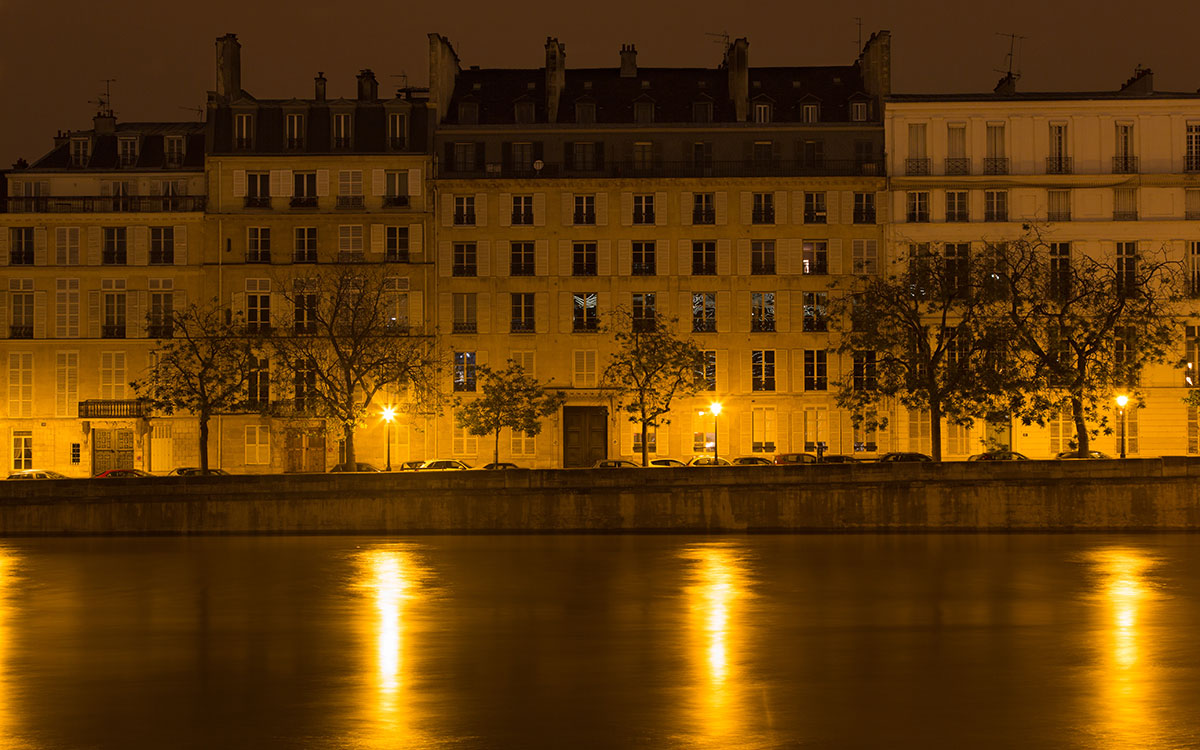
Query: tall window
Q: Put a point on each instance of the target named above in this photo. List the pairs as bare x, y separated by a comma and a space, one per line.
116, 247
958, 267
996, 160
763, 208
810, 113
304, 190
644, 317
762, 112
397, 130
395, 187
585, 209
161, 316
173, 150
66, 308
815, 257
1058, 286
258, 445
304, 387
1126, 277
243, 131
304, 307
1194, 268
294, 130
162, 245
995, 205
864, 208
395, 244
522, 210
863, 374
585, 312
762, 257
706, 373
643, 261
583, 259
643, 155
956, 205
80, 151
305, 248
918, 205
1125, 204
762, 311
1058, 205
704, 312
465, 312
643, 209
465, 259
764, 429
20, 384
814, 208
1059, 160
956, 149
112, 375
584, 155
815, 305
350, 188
858, 111
258, 305
66, 384
20, 300
866, 256
258, 189
523, 260
464, 210
584, 374
918, 160
1124, 160
522, 312
816, 370
762, 370
704, 208
704, 258
22, 449
112, 298
342, 130
258, 244
258, 382
66, 246
464, 371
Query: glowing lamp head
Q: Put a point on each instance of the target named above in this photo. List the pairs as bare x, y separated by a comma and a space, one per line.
715, 408
1122, 400
388, 413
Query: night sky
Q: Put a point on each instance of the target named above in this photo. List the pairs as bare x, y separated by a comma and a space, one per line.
53, 56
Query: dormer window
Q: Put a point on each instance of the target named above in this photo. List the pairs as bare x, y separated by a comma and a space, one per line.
810, 113
81, 151
858, 111
643, 112
398, 130
523, 112
243, 131
468, 113
702, 112
585, 113
343, 126
127, 151
294, 132
762, 112
173, 150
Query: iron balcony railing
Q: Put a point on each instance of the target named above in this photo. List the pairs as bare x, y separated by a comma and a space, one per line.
704, 325
995, 165
583, 269
762, 325
1125, 215
1064, 215
763, 216
704, 268
995, 214
645, 216
644, 324
464, 326
20, 257
522, 218
160, 330
349, 201
762, 269
1125, 165
957, 215
464, 218
815, 217
521, 268
583, 217
958, 165
303, 201
586, 325
105, 204
112, 408
522, 326
462, 269
644, 268
864, 216
682, 169
396, 256
1059, 165
704, 216
350, 256
257, 201
395, 201
1191, 163
112, 331
918, 166
20, 332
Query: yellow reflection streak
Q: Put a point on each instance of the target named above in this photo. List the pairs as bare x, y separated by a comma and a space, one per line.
8, 573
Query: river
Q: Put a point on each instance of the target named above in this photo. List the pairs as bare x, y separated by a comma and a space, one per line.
846, 641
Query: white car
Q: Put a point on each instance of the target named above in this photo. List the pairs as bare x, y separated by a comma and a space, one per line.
444, 464
35, 474
673, 463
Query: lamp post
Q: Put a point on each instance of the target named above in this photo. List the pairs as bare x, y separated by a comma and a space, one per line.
715, 408
1122, 400
389, 413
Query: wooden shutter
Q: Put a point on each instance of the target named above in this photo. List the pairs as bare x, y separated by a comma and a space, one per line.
685, 209
743, 257
741, 322
662, 258
626, 208
481, 209
39, 246
39, 315
602, 209
539, 209
503, 258
445, 319
445, 258
568, 210
847, 206
483, 258
505, 209
4, 255
239, 183
565, 302
725, 312
95, 243
564, 258
541, 257
831, 207
483, 314
541, 312
685, 258
835, 256
604, 258
797, 207
416, 311
746, 206
94, 314
724, 261
378, 182
135, 325
447, 209
722, 212
414, 183
781, 207
181, 245
377, 239
624, 257
881, 207
141, 245
660, 209
322, 183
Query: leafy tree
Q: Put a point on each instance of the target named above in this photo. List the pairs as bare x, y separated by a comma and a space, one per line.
1083, 327
916, 336
651, 367
348, 342
203, 367
508, 398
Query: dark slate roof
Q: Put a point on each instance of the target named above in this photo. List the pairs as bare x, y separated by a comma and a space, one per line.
150, 148
673, 91
1043, 96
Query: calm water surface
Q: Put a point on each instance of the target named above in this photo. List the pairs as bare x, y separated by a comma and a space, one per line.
601, 642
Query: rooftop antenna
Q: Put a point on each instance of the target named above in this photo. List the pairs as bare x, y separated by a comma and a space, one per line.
198, 110
1010, 58
858, 20
719, 37
103, 101
403, 76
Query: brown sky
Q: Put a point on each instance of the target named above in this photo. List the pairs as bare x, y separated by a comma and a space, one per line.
53, 55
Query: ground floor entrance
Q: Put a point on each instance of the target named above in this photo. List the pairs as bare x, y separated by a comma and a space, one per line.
585, 435
112, 448
305, 450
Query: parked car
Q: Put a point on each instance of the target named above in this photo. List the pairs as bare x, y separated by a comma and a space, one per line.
1074, 455
790, 459
410, 466
903, 457
751, 461
122, 474
445, 464
672, 463
838, 458
36, 474
501, 466
615, 463
708, 461
999, 456
359, 466
195, 471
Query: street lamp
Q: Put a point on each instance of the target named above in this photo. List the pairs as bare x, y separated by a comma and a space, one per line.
1122, 400
388, 414
715, 408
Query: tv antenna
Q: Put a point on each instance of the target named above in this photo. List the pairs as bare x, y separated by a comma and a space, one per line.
198, 110
719, 37
1010, 58
403, 76
103, 101
858, 21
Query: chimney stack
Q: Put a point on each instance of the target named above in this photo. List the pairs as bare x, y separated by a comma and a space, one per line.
229, 67
737, 65
556, 75
875, 64
368, 87
319, 86
628, 61
1141, 83
1006, 86
105, 122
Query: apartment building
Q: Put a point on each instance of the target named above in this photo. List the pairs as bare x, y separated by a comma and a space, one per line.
725, 199
1100, 173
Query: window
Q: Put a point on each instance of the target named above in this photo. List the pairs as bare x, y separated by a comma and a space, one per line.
66, 246
1125, 204
258, 305
584, 156
1191, 161
463, 443
917, 162
1191, 204
704, 312
864, 438
1125, 356
524, 444
704, 258
762, 257
464, 210
304, 190
1131, 432
995, 161
22, 449
866, 256
258, 444
762, 370
956, 205
304, 387
342, 130
763, 429
858, 111
643, 112
66, 384
523, 261
21, 249
583, 259
112, 297
1126, 277
812, 154
305, 248
810, 113
706, 373
643, 209
763, 208
815, 370
395, 244
350, 188
396, 302
1194, 268
173, 150
585, 312
464, 371
815, 257
115, 247
522, 312
523, 112
583, 374
956, 149
112, 375
258, 244
1124, 160
958, 267
162, 245
522, 157
1058, 205
465, 259
258, 382
294, 131
995, 205
258, 189
918, 205
20, 384
20, 297
585, 113
704, 208
1191, 344
815, 305
395, 187
243, 131
863, 376
702, 158
304, 308
397, 130
814, 208
465, 157
644, 317
651, 439
1059, 160
702, 112
127, 151
919, 430
762, 311
465, 316
522, 210
762, 112
66, 308
161, 316
585, 209
1058, 286
642, 261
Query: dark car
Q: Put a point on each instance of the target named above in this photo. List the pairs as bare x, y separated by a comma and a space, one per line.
751, 461
792, 459
999, 456
501, 466
195, 471
122, 474
359, 466
615, 463
410, 466
903, 457
1074, 455
838, 458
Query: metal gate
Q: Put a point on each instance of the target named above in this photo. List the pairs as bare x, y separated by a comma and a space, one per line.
112, 449
585, 435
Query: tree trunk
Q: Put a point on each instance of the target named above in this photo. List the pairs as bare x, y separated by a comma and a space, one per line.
1081, 433
351, 463
203, 441
645, 447
496, 449
935, 429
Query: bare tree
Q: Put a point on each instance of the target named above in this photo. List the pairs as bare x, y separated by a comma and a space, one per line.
202, 366
348, 341
509, 398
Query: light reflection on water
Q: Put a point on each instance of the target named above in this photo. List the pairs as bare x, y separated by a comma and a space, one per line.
8, 584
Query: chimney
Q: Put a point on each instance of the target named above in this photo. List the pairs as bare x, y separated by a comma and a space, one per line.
368, 87
229, 67
556, 75
1141, 83
737, 64
875, 64
105, 122
1006, 86
319, 86
628, 61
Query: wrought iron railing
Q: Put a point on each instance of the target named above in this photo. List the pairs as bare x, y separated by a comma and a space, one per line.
1059, 165
1125, 165
957, 165
105, 204
683, 169
995, 165
112, 408
918, 166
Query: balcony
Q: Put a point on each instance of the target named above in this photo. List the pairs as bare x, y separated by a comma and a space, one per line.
918, 166
395, 201
462, 269
1125, 165
114, 258
258, 256
1059, 165
105, 204
464, 218
303, 201
345, 202
583, 269
304, 256
243, 143
762, 325
995, 214
704, 216
464, 326
957, 165
583, 217
257, 201
294, 144
160, 330
681, 169
645, 216
816, 324
522, 326
704, 268
101, 408
1191, 163
917, 217
20, 332
1062, 215
162, 257
763, 216
112, 331
341, 142
957, 215
762, 268
522, 218
304, 327
1125, 215
1192, 214
704, 325
864, 216
995, 165
644, 268
586, 325
351, 256
21, 257
522, 268
397, 144
644, 324
396, 255
173, 160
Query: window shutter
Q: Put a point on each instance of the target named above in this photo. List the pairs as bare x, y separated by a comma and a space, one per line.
723, 384
179, 300
377, 239
180, 245
483, 258
568, 155
483, 316
94, 314
448, 157
832, 203
239, 183
660, 209
797, 207
685, 209
541, 312
95, 241
505, 209
745, 422
662, 443
566, 301
447, 209
604, 258
741, 323
787, 256
725, 312
781, 370
416, 311
445, 320
564, 258
39, 246
626, 209
136, 322
4, 246
239, 306
746, 206
627, 429
481, 211
602, 209
276, 186
604, 304
685, 258
503, 259
624, 257
782, 312
781, 207
286, 183
847, 207
539, 209
881, 208
322, 183
743, 257
541, 257
685, 312
835, 257
724, 250
568, 210
414, 183
141, 245
722, 212
4, 312
39, 315
415, 241
445, 258
378, 186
